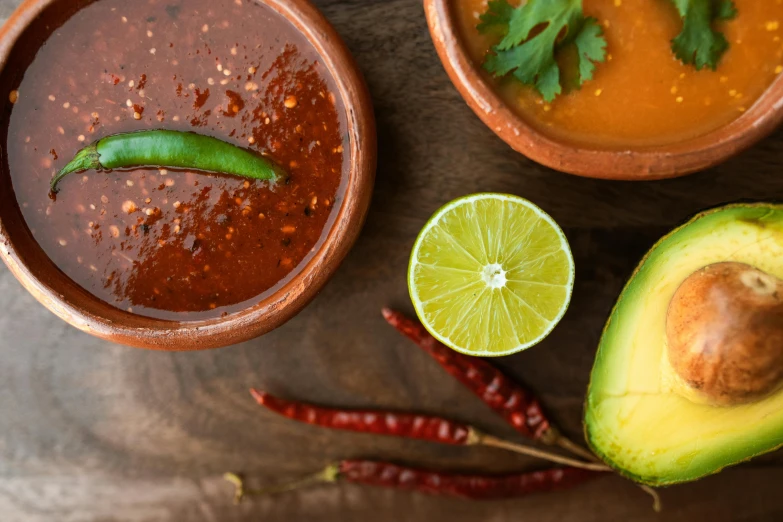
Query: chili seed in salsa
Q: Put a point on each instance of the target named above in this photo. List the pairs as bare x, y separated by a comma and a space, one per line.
161, 242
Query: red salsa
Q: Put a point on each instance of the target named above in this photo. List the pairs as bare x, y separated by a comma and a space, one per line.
176, 244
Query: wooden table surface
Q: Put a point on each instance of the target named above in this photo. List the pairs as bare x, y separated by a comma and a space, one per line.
91, 431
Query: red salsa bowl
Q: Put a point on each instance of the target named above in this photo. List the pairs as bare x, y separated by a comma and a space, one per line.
149, 255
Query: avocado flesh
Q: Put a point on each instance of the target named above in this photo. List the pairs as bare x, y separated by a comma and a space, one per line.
634, 419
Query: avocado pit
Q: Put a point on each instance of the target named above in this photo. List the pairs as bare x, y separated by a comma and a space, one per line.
724, 328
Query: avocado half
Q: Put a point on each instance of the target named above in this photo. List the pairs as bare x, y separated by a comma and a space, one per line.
634, 418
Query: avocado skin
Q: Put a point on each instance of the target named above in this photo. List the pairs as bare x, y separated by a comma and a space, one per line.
661, 481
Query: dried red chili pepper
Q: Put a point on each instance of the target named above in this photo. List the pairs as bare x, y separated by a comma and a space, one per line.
475, 487
514, 403
406, 425
434, 429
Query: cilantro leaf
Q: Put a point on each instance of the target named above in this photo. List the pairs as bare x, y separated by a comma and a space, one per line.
699, 44
591, 48
532, 35
548, 82
497, 17
725, 9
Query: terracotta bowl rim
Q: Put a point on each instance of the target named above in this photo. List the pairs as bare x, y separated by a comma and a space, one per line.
88, 313
642, 163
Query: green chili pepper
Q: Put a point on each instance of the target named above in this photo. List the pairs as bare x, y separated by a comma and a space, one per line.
174, 149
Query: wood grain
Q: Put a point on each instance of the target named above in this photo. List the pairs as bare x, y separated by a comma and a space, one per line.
96, 432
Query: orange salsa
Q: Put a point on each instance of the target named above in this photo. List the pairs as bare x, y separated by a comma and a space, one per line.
642, 95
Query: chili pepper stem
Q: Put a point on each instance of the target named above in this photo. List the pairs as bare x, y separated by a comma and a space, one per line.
657, 505
550, 436
482, 439
327, 475
553, 437
86, 159
572, 447
239, 486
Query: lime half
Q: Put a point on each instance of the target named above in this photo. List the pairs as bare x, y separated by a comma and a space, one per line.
491, 274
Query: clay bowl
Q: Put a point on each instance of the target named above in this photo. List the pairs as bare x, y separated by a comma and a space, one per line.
634, 164
58, 293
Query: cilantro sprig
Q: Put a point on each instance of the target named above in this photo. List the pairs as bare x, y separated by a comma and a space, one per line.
533, 34
699, 44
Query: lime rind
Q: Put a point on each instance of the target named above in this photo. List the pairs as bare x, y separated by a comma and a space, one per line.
461, 283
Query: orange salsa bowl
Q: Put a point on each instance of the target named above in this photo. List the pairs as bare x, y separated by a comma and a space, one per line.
644, 115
